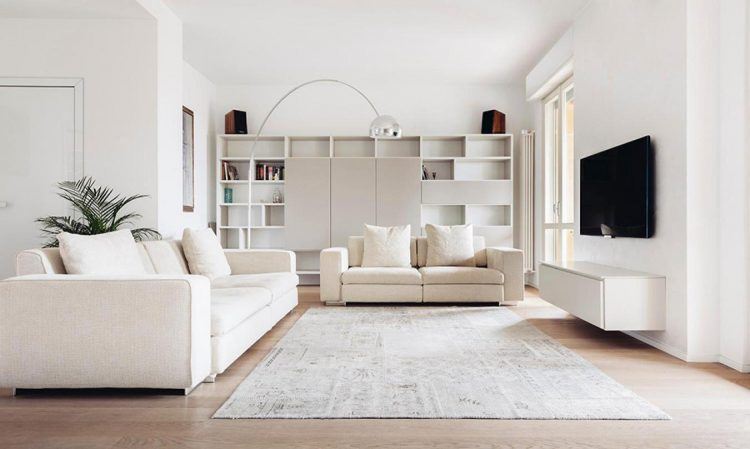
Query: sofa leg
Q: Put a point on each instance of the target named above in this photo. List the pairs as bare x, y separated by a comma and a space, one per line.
8, 392
335, 303
211, 378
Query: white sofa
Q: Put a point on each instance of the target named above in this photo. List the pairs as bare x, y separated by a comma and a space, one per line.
497, 278
167, 330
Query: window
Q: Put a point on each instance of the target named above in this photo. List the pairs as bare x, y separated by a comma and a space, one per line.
559, 174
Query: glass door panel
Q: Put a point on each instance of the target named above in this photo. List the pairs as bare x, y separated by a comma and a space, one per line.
567, 161
551, 125
559, 173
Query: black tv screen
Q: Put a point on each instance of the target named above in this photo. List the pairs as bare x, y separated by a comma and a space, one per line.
617, 194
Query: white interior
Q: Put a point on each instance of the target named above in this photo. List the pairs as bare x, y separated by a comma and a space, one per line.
677, 71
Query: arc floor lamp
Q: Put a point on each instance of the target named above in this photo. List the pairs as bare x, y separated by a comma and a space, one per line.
382, 127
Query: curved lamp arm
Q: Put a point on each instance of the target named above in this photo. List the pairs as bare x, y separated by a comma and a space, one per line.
322, 80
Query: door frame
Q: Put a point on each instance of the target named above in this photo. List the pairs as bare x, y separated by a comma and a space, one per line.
558, 224
76, 171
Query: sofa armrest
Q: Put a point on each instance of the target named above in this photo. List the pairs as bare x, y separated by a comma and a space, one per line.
255, 261
510, 262
333, 262
95, 331
39, 261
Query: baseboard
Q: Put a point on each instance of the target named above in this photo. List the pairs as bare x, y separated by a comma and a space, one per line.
669, 349
682, 355
739, 366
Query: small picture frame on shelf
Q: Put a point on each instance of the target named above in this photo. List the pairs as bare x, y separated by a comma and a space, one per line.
228, 195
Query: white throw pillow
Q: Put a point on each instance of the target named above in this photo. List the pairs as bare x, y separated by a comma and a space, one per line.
387, 247
109, 253
450, 246
204, 253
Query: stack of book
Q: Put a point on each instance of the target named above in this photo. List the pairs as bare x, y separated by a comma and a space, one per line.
269, 172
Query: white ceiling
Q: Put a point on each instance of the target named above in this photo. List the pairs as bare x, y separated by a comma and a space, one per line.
72, 9
435, 41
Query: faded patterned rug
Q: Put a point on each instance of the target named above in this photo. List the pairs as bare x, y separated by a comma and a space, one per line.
427, 362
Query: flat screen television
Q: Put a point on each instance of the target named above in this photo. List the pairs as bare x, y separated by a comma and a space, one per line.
617, 191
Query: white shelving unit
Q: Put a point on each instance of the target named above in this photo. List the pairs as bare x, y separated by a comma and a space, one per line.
473, 184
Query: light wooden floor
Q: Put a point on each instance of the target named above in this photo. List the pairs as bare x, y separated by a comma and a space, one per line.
710, 405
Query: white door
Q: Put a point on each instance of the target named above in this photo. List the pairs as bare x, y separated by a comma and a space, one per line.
37, 141
559, 173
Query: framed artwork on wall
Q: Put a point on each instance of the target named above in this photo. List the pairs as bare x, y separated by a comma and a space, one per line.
188, 161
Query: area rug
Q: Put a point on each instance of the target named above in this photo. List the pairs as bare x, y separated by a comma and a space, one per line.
427, 362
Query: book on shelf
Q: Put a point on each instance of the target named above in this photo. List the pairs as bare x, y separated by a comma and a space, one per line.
269, 172
229, 172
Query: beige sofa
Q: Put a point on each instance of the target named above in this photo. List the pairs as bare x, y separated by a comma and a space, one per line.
167, 329
497, 278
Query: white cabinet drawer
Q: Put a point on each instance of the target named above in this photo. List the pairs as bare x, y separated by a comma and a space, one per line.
467, 192
578, 295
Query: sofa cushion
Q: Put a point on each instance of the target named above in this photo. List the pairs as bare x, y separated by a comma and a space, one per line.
231, 306
387, 246
276, 283
109, 253
166, 256
204, 253
381, 275
356, 247
480, 252
450, 245
461, 275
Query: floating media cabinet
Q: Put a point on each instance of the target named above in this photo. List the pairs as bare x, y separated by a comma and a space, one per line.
333, 185
608, 297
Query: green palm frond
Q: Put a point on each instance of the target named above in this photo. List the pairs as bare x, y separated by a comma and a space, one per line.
100, 211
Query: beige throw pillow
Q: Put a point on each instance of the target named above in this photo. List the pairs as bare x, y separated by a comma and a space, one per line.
204, 253
450, 246
109, 253
387, 246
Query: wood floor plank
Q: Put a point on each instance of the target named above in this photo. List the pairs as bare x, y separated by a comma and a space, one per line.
709, 403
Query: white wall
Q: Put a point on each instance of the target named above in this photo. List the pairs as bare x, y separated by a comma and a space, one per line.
702, 177
117, 60
198, 95
676, 71
332, 109
734, 187
169, 117
630, 76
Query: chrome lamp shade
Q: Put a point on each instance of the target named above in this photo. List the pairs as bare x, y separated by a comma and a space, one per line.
385, 127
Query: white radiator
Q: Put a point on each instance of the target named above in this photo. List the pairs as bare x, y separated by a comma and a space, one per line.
527, 227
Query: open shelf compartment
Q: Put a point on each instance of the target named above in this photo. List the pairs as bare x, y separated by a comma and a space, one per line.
233, 216
235, 238
488, 215
241, 146
315, 146
353, 147
442, 147
482, 169
439, 169
403, 147
442, 214
489, 145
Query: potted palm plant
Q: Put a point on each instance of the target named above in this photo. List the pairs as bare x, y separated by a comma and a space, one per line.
97, 210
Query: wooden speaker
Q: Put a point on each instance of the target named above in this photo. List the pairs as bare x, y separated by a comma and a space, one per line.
235, 122
493, 122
